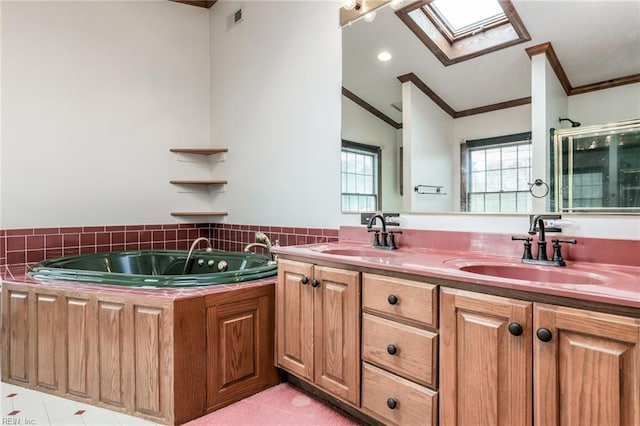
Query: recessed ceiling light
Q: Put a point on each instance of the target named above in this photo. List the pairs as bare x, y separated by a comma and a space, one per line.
384, 56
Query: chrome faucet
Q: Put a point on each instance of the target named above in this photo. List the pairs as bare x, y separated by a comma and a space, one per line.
188, 263
263, 241
390, 243
542, 258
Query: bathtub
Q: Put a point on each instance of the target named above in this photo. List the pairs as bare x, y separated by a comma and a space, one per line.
156, 268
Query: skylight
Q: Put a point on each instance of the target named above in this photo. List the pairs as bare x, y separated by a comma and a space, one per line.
458, 30
462, 15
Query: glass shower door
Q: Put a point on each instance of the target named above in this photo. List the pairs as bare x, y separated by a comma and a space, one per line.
598, 168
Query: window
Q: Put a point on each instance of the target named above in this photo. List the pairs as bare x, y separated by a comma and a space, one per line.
460, 18
457, 30
497, 172
360, 177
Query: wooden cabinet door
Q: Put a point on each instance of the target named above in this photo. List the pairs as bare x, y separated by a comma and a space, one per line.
588, 373
294, 318
337, 332
485, 370
240, 350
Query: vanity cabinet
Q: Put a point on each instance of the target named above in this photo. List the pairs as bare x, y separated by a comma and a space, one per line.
318, 326
485, 369
588, 373
507, 361
399, 350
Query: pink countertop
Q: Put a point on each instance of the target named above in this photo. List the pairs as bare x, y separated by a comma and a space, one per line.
596, 282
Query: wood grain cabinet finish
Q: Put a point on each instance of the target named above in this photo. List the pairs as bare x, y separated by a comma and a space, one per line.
149, 357
409, 301
109, 352
240, 352
408, 351
589, 372
318, 326
485, 371
399, 350
564, 367
396, 401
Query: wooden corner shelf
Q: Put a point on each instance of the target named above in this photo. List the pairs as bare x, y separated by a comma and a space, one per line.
198, 181
199, 214
201, 151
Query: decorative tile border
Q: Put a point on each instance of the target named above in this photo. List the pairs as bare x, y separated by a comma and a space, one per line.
31, 245
234, 237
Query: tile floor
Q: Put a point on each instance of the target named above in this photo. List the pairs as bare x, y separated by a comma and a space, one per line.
277, 406
23, 407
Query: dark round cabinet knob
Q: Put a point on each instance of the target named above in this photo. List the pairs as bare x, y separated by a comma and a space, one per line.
304, 280
515, 329
392, 403
392, 349
544, 335
392, 299
315, 283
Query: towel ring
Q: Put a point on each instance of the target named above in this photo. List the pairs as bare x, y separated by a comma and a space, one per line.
539, 188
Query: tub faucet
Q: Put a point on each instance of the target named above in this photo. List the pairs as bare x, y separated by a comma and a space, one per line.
188, 263
261, 240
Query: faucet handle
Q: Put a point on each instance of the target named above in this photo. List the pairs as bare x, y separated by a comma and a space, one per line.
564, 241
392, 239
376, 237
527, 246
557, 252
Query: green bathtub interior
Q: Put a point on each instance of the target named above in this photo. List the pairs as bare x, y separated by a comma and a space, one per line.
155, 268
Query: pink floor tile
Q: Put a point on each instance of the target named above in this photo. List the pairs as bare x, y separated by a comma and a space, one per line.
282, 405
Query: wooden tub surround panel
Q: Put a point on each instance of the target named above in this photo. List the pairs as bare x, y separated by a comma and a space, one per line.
48, 341
166, 359
15, 345
77, 359
110, 349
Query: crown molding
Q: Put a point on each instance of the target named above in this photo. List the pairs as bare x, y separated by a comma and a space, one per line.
411, 77
373, 110
547, 49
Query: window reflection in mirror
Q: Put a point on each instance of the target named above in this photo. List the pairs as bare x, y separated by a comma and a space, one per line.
496, 174
361, 177
598, 168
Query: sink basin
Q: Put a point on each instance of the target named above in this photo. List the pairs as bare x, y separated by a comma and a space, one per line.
359, 252
539, 274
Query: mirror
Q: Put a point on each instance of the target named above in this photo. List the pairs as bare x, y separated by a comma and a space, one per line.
441, 162
423, 176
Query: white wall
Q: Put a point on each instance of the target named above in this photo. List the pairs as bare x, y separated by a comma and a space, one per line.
427, 135
275, 102
93, 94
606, 106
359, 125
1, 115
549, 102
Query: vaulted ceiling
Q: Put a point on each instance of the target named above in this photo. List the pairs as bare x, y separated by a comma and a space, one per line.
596, 44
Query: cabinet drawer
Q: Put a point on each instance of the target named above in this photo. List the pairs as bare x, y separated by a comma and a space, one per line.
408, 351
411, 301
414, 404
